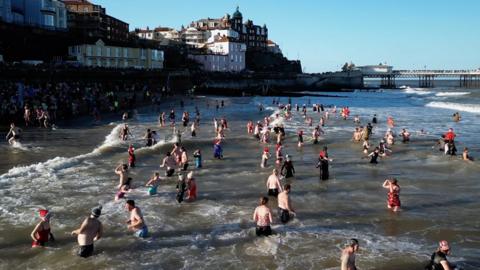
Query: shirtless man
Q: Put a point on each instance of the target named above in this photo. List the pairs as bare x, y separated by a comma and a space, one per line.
348, 255
273, 184
122, 171
169, 163
285, 205
183, 158
136, 222
263, 218
13, 134
91, 230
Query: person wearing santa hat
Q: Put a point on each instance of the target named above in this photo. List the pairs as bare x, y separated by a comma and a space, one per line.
265, 156
42, 232
191, 188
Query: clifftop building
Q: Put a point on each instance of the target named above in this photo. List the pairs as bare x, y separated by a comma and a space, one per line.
91, 21
254, 36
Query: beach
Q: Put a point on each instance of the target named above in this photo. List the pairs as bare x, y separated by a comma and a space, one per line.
69, 171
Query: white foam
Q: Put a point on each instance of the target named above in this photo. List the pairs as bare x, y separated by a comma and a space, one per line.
473, 108
451, 94
112, 139
416, 91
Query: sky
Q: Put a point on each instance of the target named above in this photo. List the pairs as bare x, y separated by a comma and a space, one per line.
407, 34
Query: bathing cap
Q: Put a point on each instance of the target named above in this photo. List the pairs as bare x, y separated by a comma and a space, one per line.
97, 211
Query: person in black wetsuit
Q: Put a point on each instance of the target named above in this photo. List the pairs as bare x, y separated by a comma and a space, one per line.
181, 188
438, 260
374, 119
374, 155
323, 165
149, 138
287, 168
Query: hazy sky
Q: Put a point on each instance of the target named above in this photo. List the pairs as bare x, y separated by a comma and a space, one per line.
407, 34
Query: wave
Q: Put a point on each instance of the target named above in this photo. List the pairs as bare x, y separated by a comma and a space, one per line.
473, 108
416, 91
451, 94
111, 140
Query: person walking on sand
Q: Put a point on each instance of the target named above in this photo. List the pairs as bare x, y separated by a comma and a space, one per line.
90, 231
348, 255
263, 218
393, 199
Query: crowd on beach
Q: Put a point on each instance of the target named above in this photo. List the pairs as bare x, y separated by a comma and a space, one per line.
43, 104
270, 129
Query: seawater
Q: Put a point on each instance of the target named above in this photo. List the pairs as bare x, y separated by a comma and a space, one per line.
69, 171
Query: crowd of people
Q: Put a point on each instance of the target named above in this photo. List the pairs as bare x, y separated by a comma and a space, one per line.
176, 163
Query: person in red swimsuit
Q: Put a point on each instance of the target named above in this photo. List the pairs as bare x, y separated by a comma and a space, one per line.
393, 199
191, 188
42, 232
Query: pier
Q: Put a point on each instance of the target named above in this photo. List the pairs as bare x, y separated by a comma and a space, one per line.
426, 78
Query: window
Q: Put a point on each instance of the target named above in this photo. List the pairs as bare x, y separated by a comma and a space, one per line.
107, 52
125, 52
49, 20
89, 50
117, 52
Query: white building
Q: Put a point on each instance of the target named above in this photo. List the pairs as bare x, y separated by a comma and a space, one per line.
159, 34
101, 55
215, 33
375, 69
222, 55
50, 14
193, 37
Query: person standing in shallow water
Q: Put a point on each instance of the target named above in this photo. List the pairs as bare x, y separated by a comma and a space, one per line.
287, 168
285, 205
393, 199
263, 218
323, 165
136, 222
348, 255
90, 231
273, 184
41, 234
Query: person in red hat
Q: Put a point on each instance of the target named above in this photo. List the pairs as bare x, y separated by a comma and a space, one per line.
265, 156
42, 232
438, 260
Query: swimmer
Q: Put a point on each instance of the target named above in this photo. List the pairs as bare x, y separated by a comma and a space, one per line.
263, 218
438, 260
193, 129
466, 156
279, 154
125, 116
323, 165
131, 156
191, 188
13, 135
273, 184
181, 188
348, 255
393, 199
161, 119
123, 189
153, 184
457, 117
300, 138
366, 147
169, 164
288, 168
250, 127
374, 119
122, 172
125, 132
197, 156
405, 136
136, 223
41, 234
356, 119
148, 137
265, 156
285, 205
183, 159
90, 231
374, 156
390, 121
155, 137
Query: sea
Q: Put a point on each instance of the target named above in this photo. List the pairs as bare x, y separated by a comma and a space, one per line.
70, 170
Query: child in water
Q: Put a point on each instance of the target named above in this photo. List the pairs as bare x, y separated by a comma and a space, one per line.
131, 156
